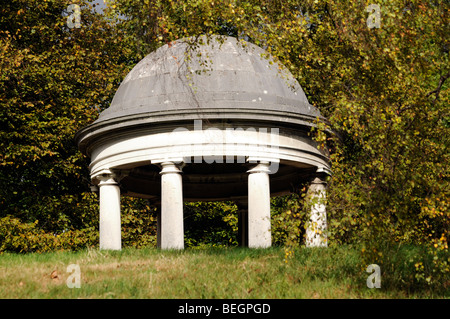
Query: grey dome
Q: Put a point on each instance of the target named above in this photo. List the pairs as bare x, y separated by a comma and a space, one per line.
214, 77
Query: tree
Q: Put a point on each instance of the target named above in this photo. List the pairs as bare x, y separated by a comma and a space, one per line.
54, 80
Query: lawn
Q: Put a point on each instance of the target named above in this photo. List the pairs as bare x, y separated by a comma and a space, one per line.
200, 273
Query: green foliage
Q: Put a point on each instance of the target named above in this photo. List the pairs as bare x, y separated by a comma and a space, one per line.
138, 223
138, 229
19, 237
288, 220
54, 80
212, 224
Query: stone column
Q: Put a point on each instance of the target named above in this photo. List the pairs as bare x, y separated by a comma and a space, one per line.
259, 233
317, 223
110, 227
171, 220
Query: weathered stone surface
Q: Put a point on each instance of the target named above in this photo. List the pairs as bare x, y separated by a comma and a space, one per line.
227, 75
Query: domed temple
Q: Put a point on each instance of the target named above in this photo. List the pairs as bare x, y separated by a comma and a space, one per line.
216, 121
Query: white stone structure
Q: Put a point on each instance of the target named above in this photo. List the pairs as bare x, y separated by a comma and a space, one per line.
175, 132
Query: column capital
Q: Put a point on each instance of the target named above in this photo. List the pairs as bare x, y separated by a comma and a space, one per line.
171, 167
260, 167
109, 176
174, 160
319, 179
273, 163
105, 177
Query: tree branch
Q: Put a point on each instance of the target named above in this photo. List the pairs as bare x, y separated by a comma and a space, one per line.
438, 89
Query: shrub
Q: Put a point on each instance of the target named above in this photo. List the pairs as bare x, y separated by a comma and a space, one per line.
17, 236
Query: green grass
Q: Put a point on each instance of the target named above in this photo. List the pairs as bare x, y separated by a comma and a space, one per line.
206, 273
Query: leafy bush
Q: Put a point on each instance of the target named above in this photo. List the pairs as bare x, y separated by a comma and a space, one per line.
288, 218
16, 236
210, 224
139, 222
